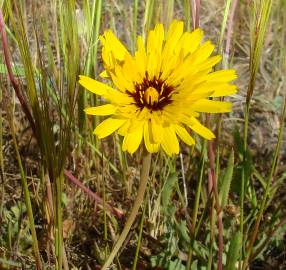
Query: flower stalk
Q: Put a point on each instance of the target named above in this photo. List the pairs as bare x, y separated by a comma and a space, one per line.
146, 162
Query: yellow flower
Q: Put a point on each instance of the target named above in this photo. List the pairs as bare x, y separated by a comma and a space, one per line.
160, 91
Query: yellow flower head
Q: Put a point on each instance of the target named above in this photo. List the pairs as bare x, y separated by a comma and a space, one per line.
160, 91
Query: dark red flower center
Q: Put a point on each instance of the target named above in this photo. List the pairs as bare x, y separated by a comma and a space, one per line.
153, 94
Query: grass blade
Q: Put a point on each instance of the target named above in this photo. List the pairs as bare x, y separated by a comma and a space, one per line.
233, 252
226, 181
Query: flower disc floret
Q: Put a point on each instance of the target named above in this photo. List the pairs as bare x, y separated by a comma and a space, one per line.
153, 94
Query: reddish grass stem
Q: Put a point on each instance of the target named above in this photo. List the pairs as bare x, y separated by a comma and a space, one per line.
30, 118
212, 177
196, 4
213, 185
12, 78
93, 195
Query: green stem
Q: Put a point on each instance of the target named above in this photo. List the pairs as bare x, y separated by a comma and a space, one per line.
140, 196
59, 224
139, 238
212, 234
187, 13
104, 207
266, 191
243, 177
196, 206
269, 236
27, 199
135, 17
123, 165
2, 189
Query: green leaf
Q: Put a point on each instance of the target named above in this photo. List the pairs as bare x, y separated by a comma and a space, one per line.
64, 199
18, 71
238, 142
183, 230
4, 263
168, 189
176, 265
233, 252
158, 261
226, 181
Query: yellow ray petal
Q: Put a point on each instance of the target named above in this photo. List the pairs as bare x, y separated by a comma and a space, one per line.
203, 52
132, 140
170, 142
189, 97
173, 36
106, 109
108, 126
112, 46
122, 82
159, 34
169, 68
212, 106
94, 86
222, 76
135, 124
217, 89
127, 111
151, 147
189, 42
157, 131
196, 126
225, 90
184, 135
104, 74
131, 70
174, 33
154, 49
194, 62
124, 128
140, 56
151, 41
209, 63
120, 98
191, 81
193, 41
